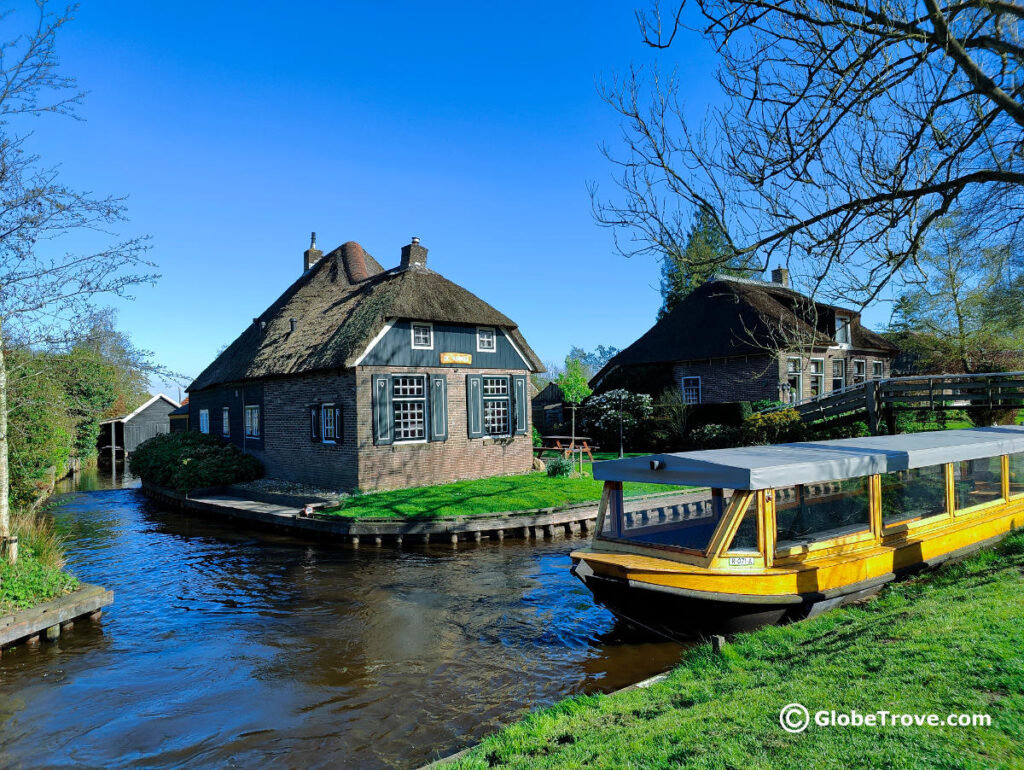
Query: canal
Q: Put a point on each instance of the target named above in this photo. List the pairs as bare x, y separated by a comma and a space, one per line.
231, 647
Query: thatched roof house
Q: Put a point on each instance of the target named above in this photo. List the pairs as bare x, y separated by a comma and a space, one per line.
736, 339
376, 357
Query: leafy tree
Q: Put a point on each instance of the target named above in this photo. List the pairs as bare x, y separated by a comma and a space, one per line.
595, 360
959, 316
575, 388
600, 416
706, 251
45, 293
844, 133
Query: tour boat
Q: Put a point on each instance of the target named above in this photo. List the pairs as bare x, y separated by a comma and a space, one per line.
786, 531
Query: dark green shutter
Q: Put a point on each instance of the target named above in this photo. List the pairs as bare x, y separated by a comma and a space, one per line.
383, 417
314, 423
438, 407
339, 429
475, 405
520, 403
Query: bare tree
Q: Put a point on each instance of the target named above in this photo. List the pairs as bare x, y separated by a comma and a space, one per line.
46, 292
848, 129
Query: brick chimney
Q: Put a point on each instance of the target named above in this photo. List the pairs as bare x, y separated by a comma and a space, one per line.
780, 275
413, 254
311, 255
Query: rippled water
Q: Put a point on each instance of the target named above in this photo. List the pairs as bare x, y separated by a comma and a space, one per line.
231, 647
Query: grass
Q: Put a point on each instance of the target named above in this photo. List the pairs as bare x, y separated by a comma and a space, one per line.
38, 575
949, 642
483, 496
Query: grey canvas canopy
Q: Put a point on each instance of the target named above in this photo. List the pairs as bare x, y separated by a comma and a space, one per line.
783, 465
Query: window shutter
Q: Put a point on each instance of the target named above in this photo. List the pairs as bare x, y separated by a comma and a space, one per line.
438, 407
383, 417
339, 432
521, 403
314, 423
475, 405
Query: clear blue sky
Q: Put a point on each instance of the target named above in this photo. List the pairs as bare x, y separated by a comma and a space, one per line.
236, 129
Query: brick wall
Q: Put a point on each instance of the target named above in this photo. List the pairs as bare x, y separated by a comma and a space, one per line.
407, 465
724, 380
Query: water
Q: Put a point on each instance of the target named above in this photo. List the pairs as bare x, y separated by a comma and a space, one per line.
236, 648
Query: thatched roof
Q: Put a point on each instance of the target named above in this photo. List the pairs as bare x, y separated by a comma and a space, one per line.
730, 317
338, 306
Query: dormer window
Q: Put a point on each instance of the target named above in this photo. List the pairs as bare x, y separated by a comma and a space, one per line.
843, 329
486, 339
422, 336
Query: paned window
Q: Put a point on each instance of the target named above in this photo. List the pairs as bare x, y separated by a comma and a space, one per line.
409, 402
329, 418
817, 376
422, 336
860, 371
225, 421
876, 370
842, 330
691, 390
204, 420
486, 340
838, 373
252, 422
497, 407
794, 380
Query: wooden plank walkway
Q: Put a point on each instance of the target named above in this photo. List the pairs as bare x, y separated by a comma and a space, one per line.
47, 619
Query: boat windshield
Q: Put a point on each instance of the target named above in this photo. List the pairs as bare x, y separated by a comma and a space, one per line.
684, 520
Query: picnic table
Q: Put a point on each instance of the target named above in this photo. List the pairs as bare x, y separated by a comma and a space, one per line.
564, 445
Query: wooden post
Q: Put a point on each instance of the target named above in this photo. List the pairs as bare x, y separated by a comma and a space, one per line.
871, 402
113, 450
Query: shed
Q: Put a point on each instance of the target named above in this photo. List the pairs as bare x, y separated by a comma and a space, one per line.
150, 419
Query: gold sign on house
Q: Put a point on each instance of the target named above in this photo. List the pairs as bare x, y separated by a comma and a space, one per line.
456, 358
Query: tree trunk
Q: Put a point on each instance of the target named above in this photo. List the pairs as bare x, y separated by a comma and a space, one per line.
572, 443
5, 484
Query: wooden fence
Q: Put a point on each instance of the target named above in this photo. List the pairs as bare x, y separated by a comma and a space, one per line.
881, 399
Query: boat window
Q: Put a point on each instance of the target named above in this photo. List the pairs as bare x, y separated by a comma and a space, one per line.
1016, 475
976, 482
914, 494
813, 512
745, 539
686, 520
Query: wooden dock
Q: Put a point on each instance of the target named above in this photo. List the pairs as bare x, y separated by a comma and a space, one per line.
288, 514
49, 619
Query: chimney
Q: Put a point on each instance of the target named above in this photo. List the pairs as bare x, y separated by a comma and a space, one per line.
311, 255
780, 275
353, 258
413, 254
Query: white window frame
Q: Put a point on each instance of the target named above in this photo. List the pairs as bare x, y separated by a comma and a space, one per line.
396, 400
877, 370
412, 335
494, 338
204, 420
326, 409
495, 398
845, 373
797, 396
700, 390
844, 324
252, 427
820, 376
225, 418
864, 377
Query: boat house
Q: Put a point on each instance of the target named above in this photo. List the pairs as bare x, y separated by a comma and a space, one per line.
122, 435
363, 377
735, 339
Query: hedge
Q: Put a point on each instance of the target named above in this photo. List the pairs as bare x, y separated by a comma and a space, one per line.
187, 461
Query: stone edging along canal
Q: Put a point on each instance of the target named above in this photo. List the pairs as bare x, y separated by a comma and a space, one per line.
291, 513
51, 617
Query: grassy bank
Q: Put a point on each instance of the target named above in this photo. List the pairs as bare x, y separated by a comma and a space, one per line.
481, 496
949, 642
38, 575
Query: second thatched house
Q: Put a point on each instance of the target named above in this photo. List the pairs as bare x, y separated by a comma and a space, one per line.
362, 377
735, 339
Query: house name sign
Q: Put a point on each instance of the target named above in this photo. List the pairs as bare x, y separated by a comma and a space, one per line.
456, 358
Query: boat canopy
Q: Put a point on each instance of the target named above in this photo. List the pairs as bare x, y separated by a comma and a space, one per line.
784, 465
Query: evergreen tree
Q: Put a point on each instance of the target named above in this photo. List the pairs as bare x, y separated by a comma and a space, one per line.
707, 251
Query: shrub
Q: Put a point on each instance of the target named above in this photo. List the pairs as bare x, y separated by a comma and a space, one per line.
537, 440
830, 429
599, 418
714, 436
187, 461
773, 427
559, 466
983, 417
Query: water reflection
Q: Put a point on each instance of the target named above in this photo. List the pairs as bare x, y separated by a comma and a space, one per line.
226, 646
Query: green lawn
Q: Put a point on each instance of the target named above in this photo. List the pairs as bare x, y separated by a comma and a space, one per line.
949, 642
491, 495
